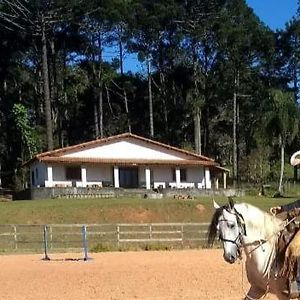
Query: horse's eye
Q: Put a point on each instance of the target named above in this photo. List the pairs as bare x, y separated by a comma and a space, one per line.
231, 225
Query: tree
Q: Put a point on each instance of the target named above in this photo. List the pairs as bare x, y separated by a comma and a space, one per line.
240, 37
28, 133
283, 124
36, 19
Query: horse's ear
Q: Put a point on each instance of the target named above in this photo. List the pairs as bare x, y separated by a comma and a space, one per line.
216, 205
231, 202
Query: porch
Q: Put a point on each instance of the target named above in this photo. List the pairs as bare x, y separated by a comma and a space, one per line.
146, 177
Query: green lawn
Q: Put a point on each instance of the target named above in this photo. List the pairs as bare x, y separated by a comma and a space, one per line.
119, 210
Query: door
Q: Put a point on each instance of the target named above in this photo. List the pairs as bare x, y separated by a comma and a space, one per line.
129, 177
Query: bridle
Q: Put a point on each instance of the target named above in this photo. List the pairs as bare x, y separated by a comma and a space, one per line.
238, 241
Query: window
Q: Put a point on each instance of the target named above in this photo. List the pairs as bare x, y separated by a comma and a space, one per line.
173, 174
183, 176
73, 173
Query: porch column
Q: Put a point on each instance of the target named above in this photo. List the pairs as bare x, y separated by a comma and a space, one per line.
83, 176
217, 183
148, 178
207, 179
116, 177
50, 176
224, 180
177, 176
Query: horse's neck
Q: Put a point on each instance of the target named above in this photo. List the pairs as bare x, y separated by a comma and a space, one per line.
260, 240
260, 253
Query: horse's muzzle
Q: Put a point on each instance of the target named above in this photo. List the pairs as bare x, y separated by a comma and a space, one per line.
230, 258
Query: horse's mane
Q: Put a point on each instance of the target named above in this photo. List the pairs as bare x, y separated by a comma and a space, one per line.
212, 228
264, 224
255, 219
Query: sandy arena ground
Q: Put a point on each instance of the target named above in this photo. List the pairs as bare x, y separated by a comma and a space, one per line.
158, 275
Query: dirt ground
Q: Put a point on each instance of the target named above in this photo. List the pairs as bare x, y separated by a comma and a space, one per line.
157, 275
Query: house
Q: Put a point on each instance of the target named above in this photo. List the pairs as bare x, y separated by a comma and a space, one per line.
127, 161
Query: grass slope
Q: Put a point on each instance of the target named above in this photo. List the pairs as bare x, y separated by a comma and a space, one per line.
119, 210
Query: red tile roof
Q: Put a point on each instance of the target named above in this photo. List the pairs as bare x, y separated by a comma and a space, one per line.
56, 155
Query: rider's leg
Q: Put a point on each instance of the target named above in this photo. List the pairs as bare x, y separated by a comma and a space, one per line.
291, 268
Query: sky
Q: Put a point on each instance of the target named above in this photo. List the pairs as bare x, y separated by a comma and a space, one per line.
274, 13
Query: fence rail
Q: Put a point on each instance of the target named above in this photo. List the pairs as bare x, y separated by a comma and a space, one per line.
67, 237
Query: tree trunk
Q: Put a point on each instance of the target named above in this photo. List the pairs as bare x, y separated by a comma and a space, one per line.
197, 116
96, 113
108, 100
150, 99
95, 96
163, 94
197, 131
101, 111
127, 110
280, 186
100, 83
121, 50
47, 97
234, 152
54, 92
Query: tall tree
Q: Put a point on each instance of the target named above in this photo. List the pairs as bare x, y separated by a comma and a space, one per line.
283, 122
36, 20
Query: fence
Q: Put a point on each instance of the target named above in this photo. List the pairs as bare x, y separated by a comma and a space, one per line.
72, 237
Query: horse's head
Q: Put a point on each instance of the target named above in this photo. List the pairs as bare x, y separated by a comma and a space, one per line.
228, 224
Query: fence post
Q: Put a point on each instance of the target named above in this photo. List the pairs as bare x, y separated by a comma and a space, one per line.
46, 243
15, 237
85, 245
182, 235
118, 235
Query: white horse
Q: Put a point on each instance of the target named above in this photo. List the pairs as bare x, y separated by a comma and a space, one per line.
245, 227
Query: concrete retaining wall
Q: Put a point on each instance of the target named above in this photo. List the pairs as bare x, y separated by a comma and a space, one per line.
80, 192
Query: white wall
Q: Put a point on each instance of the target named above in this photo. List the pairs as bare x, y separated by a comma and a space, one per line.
99, 173
130, 149
195, 175
162, 174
